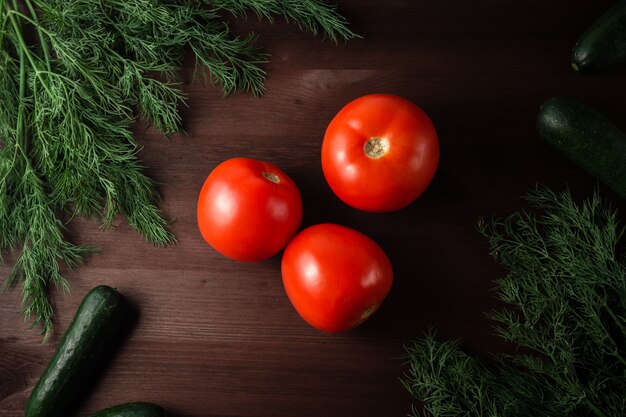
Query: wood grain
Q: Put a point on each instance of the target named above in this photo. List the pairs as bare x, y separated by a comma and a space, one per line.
219, 338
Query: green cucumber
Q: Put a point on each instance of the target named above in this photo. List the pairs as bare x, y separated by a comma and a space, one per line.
131, 410
587, 138
604, 43
92, 334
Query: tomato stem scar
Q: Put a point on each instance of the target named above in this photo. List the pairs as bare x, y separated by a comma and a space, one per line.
271, 177
376, 147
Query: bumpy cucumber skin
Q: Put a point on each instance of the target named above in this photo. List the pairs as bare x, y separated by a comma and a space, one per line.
131, 410
93, 332
604, 43
587, 138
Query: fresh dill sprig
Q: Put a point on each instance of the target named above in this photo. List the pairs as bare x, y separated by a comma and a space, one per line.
69, 98
566, 286
449, 382
312, 15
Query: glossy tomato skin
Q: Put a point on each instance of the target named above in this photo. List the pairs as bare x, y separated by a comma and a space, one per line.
395, 173
248, 210
335, 277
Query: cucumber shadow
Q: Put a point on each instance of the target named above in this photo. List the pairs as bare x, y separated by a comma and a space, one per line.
175, 413
122, 329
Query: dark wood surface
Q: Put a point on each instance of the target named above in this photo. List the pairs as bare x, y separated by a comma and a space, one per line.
219, 338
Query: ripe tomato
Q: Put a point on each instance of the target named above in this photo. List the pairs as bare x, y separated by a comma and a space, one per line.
379, 153
248, 210
335, 276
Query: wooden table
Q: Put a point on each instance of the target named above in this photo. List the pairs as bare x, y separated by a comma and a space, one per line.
220, 338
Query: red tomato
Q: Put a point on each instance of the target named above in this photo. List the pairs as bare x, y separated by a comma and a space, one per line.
248, 210
335, 276
379, 153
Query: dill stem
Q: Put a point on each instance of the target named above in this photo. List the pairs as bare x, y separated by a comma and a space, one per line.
595, 409
616, 319
21, 125
40, 32
22, 46
609, 336
42, 41
618, 322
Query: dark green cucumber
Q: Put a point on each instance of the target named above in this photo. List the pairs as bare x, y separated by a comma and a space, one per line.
604, 43
587, 138
131, 410
93, 332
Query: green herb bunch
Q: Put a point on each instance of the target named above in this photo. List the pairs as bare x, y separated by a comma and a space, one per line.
566, 285
74, 76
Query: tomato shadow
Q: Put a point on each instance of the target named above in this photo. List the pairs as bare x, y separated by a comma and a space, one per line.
445, 188
442, 271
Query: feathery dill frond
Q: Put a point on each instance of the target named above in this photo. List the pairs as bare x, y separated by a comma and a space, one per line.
68, 101
566, 288
315, 16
